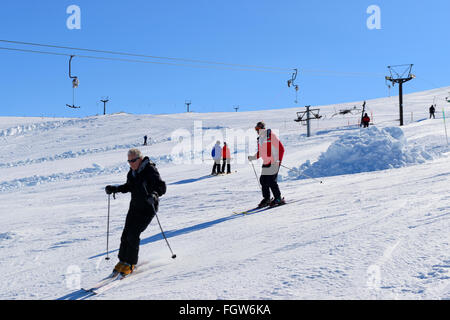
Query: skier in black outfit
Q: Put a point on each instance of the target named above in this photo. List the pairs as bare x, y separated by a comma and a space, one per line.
432, 110
146, 186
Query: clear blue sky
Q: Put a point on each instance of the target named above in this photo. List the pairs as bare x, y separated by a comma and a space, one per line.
308, 35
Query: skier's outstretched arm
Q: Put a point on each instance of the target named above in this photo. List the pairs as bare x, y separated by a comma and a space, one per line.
124, 188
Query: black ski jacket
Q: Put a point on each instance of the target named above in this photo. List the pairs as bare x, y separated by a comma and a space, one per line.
145, 185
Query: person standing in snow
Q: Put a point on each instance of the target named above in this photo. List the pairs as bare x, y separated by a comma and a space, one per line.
216, 153
271, 150
146, 186
432, 110
145, 140
226, 156
365, 121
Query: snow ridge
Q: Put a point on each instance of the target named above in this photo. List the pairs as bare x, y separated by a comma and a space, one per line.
43, 126
366, 150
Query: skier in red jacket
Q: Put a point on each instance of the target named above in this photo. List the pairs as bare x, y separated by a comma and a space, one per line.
365, 121
271, 150
226, 156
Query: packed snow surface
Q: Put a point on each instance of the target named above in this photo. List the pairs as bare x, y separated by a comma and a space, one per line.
376, 228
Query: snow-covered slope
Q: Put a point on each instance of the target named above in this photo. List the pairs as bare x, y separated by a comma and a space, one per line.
377, 227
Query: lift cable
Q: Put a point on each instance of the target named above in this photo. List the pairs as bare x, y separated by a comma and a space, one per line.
150, 56
140, 61
233, 65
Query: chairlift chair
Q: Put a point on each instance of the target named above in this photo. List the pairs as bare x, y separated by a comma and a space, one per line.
290, 83
75, 83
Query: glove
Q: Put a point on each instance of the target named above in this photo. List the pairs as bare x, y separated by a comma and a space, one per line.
153, 200
252, 158
111, 189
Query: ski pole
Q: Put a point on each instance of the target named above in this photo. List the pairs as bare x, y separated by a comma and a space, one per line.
162, 231
256, 175
303, 174
107, 230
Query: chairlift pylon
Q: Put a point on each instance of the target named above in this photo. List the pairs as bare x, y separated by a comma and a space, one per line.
75, 83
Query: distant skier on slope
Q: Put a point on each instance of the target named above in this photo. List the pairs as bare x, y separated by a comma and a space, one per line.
216, 153
365, 121
146, 186
226, 157
271, 150
432, 111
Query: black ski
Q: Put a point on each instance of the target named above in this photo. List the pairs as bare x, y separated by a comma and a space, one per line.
259, 209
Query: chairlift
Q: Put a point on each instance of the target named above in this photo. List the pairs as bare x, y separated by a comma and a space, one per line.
75, 83
351, 111
290, 83
293, 77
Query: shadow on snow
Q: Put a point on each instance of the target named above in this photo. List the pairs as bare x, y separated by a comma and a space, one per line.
175, 233
191, 180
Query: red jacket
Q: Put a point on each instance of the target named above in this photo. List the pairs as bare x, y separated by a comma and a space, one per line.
270, 148
226, 152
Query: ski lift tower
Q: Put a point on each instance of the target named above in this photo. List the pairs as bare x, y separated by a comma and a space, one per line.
400, 78
305, 116
104, 104
187, 103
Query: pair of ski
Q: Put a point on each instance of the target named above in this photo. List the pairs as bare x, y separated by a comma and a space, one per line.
113, 280
224, 174
108, 283
259, 209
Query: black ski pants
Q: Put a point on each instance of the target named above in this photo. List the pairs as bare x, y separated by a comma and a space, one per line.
269, 183
135, 223
216, 167
226, 162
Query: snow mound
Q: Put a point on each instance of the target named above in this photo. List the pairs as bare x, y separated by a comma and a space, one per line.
368, 150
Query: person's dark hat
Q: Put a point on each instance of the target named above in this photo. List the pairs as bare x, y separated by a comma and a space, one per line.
260, 125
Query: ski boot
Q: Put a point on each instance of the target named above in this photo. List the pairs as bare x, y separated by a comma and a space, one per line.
127, 269
264, 203
123, 268
277, 202
117, 269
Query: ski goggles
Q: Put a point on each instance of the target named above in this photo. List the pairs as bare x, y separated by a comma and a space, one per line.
133, 160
